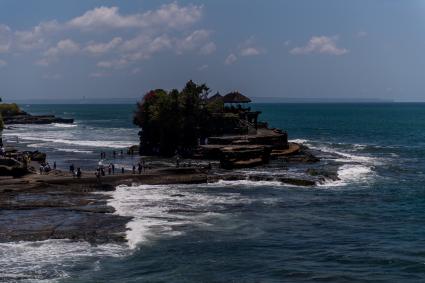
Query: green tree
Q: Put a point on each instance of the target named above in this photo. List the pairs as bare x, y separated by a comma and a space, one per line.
174, 120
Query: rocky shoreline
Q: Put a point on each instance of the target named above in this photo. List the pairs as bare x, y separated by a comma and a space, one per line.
25, 118
57, 206
41, 207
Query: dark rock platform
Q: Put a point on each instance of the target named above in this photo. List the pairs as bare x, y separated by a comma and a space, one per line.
41, 207
26, 118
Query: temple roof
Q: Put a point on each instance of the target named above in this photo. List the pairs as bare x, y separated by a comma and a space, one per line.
215, 97
235, 97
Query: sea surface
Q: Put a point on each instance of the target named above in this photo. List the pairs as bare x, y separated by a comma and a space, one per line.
369, 226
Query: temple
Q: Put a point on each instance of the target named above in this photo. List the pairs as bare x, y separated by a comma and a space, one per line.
240, 139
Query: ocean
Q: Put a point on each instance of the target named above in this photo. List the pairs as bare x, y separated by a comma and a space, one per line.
369, 226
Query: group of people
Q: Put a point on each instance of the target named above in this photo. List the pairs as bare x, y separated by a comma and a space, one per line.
76, 173
46, 168
115, 153
141, 167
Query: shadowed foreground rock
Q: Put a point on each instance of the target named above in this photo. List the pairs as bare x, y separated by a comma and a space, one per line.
38, 207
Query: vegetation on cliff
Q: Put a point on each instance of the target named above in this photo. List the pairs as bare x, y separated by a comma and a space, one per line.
9, 109
175, 120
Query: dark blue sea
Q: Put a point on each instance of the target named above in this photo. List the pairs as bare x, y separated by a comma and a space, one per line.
369, 226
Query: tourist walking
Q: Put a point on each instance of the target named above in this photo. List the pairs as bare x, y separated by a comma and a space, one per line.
134, 169
79, 173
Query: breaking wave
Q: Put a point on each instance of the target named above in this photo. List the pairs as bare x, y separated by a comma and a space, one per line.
47, 261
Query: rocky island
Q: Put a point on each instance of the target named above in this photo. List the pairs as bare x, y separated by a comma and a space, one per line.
12, 114
222, 133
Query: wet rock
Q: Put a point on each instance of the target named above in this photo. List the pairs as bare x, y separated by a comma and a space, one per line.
37, 156
52, 223
258, 178
302, 157
325, 174
244, 156
25, 118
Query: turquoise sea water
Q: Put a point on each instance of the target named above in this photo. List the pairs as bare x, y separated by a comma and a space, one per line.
367, 227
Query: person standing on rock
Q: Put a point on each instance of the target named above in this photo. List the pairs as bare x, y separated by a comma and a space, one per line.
71, 168
54, 165
140, 168
97, 173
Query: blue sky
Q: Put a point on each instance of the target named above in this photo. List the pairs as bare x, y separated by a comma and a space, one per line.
276, 48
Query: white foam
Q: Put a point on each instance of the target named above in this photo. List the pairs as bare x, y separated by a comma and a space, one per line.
59, 125
350, 173
301, 141
245, 183
87, 143
48, 260
353, 172
74, 150
159, 211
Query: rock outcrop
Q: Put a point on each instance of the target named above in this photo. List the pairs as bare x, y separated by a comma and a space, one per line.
25, 118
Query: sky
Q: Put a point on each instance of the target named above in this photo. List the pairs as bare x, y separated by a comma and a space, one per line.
328, 49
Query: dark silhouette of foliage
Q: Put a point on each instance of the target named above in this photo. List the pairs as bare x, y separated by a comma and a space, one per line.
174, 121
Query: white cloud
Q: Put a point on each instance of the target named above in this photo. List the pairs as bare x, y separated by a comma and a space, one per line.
250, 51
119, 63
3, 63
5, 38
37, 36
66, 46
320, 45
52, 76
135, 71
249, 48
101, 48
143, 46
163, 29
208, 48
231, 59
169, 16
63, 47
192, 41
99, 75
43, 62
203, 67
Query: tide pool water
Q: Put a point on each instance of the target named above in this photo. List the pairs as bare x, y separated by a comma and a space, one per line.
369, 226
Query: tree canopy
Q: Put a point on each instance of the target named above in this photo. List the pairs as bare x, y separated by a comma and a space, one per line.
174, 120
